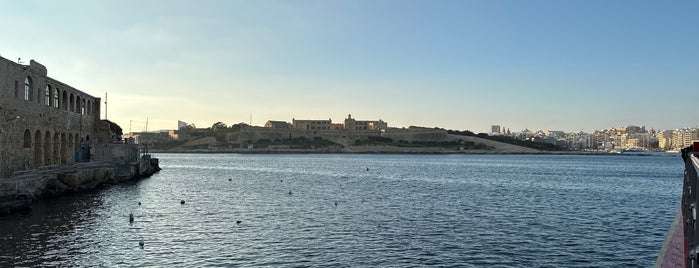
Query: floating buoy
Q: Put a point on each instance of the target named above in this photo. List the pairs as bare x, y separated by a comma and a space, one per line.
281, 180
229, 179
238, 222
139, 203
181, 202
290, 193
141, 243
367, 169
336, 203
130, 217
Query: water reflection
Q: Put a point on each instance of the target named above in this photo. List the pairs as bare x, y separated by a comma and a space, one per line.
468, 211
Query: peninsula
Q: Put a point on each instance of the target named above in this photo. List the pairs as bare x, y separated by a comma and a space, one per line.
324, 136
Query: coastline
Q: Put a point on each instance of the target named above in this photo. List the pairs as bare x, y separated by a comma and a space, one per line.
19, 192
425, 152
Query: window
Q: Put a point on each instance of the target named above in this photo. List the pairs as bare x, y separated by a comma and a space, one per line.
55, 98
47, 96
71, 107
27, 89
27, 139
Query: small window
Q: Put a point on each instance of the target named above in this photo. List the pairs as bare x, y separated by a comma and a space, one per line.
27, 89
55, 98
47, 96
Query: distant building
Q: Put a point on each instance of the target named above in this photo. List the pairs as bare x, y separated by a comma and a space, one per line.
151, 137
311, 124
352, 124
181, 124
682, 138
664, 140
495, 129
277, 124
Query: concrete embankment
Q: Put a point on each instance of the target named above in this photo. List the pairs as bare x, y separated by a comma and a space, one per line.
18, 191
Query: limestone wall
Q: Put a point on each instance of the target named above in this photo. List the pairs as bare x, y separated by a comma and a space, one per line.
54, 181
252, 134
39, 128
417, 134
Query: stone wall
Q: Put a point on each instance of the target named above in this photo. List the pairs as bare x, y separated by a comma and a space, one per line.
417, 134
252, 134
43, 121
341, 136
58, 180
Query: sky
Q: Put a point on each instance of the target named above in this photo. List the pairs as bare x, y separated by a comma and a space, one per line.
577, 65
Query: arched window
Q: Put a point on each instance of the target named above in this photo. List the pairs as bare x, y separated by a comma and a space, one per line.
72, 103
55, 98
27, 88
47, 96
83, 107
27, 139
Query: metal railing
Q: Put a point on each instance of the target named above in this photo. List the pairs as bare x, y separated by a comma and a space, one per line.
689, 204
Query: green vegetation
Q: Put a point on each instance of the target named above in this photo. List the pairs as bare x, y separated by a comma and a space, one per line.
504, 139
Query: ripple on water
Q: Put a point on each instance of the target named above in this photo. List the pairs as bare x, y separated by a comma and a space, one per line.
408, 210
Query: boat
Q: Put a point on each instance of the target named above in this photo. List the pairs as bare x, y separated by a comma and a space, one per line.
634, 150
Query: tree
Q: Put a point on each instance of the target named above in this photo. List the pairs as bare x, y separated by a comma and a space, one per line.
238, 126
219, 125
114, 128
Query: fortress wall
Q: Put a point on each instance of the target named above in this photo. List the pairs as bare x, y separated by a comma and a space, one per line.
252, 134
417, 134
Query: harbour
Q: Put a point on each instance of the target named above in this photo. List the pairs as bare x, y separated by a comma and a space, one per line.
431, 210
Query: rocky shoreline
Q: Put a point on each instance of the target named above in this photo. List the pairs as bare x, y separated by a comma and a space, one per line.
18, 192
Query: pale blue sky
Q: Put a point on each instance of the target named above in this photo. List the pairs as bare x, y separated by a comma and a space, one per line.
556, 65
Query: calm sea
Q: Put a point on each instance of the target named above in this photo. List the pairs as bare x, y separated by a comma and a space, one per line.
361, 210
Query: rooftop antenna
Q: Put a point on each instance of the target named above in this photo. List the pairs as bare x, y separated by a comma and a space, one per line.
146, 124
105, 108
251, 119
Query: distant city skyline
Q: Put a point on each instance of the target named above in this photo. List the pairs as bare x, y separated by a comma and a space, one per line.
466, 65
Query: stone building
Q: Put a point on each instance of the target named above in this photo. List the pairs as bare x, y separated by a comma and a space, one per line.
277, 124
43, 121
152, 137
311, 124
352, 124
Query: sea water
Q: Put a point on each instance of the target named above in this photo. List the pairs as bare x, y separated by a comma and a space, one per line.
361, 211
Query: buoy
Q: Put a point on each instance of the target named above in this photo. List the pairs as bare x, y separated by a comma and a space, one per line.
181, 202
281, 180
130, 217
290, 193
229, 179
139, 203
336, 203
238, 222
141, 243
367, 169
